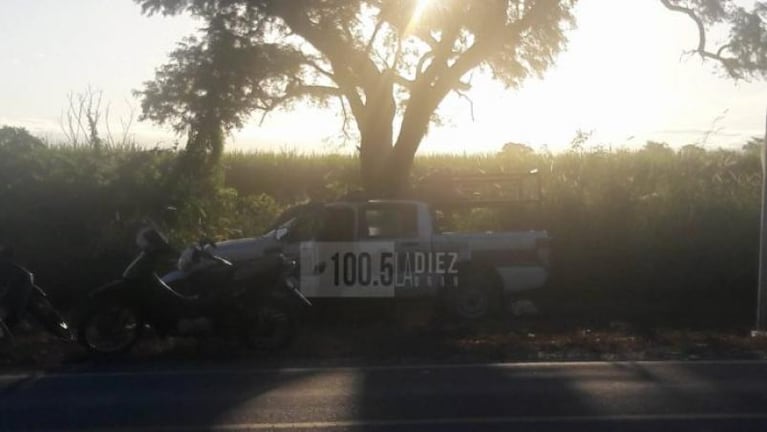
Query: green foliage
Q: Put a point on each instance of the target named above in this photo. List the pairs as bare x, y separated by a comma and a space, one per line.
72, 212
655, 234
19, 138
257, 55
668, 237
384, 62
387, 62
743, 54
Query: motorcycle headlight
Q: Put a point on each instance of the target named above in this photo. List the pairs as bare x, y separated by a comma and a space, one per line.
186, 260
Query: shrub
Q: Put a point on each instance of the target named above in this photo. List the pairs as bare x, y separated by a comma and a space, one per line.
656, 235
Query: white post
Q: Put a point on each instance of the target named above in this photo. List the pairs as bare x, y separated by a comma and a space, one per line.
761, 298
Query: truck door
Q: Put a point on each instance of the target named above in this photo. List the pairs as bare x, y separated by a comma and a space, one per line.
333, 264
397, 223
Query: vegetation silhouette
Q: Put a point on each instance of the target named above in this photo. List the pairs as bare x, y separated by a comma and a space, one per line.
386, 66
655, 233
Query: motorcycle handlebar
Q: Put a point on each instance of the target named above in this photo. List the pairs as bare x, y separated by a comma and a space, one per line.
216, 258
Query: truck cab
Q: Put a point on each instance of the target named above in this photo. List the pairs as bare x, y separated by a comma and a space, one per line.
394, 248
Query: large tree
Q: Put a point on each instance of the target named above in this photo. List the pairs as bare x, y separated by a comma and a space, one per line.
386, 65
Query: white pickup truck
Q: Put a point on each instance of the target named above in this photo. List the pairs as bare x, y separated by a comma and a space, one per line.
393, 248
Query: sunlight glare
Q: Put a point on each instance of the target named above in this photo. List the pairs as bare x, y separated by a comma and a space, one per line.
614, 79
420, 8
418, 11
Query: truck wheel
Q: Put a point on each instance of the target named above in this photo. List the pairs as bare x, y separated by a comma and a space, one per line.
476, 297
271, 328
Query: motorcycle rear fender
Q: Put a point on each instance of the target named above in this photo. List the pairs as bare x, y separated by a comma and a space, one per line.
287, 295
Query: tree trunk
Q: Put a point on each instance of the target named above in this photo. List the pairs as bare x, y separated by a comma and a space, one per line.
386, 164
386, 168
374, 150
377, 136
400, 163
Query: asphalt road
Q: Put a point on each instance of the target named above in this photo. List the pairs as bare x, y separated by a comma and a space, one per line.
697, 396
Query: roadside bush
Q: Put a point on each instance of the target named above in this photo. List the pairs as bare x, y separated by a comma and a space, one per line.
654, 235
71, 213
657, 236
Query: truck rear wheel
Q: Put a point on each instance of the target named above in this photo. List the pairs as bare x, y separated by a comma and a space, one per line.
477, 295
272, 327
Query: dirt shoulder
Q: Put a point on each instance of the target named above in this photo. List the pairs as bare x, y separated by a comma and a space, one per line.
404, 341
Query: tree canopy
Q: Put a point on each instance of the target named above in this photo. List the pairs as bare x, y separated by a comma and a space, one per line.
386, 65
18, 138
743, 53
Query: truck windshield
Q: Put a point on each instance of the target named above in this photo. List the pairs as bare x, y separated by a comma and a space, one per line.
390, 221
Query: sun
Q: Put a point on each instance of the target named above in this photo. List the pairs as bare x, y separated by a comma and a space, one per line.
418, 11
420, 8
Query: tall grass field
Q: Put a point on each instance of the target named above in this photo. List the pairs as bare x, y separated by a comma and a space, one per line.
658, 236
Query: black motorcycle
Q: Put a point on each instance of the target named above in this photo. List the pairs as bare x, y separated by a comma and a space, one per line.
257, 307
21, 298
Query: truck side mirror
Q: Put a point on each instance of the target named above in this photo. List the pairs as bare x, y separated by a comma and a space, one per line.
281, 233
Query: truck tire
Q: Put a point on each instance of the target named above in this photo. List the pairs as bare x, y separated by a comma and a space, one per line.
477, 295
271, 327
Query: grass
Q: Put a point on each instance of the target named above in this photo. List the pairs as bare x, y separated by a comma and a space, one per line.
384, 336
654, 236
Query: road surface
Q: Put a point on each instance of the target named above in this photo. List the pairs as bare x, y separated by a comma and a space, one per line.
699, 396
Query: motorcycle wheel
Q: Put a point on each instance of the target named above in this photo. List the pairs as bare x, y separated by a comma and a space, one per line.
110, 327
7, 340
49, 317
271, 327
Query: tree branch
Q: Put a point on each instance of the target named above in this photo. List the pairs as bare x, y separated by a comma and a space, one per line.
345, 113
440, 78
701, 50
352, 69
404, 82
372, 40
468, 99
316, 66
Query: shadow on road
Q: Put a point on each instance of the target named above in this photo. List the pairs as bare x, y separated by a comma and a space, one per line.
204, 386
194, 398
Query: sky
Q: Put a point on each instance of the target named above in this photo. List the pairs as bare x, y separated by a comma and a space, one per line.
623, 78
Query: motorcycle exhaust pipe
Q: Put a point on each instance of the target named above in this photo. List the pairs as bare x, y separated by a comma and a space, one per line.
293, 286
